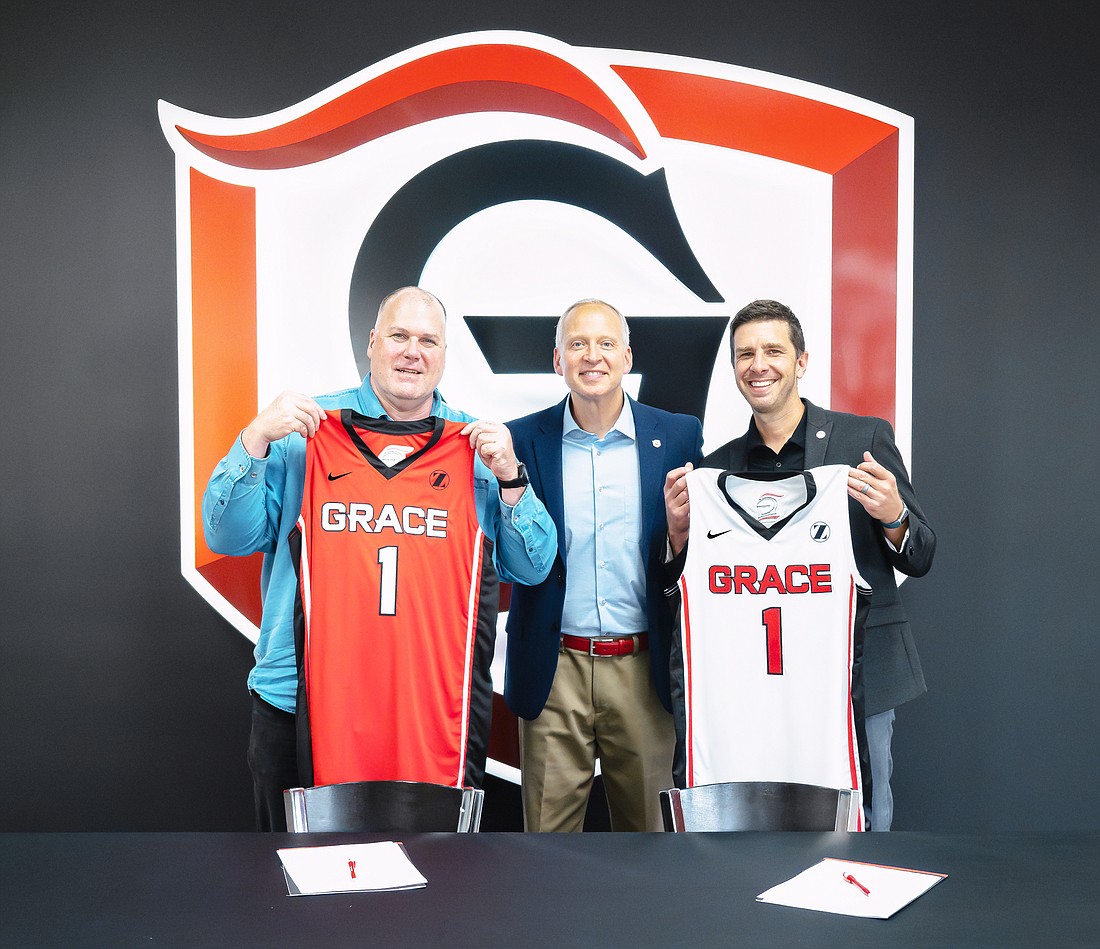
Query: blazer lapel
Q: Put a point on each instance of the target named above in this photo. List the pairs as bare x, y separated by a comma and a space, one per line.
547, 449
819, 428
651, 467
735, 457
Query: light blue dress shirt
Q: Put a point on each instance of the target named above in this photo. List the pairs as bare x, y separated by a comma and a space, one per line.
252, 504
606, 593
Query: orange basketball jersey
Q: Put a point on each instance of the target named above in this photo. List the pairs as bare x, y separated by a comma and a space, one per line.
398, 601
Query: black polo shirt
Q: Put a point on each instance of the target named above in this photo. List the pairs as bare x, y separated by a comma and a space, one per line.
791, 457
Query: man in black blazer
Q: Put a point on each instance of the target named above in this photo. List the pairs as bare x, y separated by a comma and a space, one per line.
889, 529
587, 666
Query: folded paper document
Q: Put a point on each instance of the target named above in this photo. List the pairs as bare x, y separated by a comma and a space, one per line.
348, 868
852, 889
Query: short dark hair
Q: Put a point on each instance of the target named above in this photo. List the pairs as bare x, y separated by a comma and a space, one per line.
760, 310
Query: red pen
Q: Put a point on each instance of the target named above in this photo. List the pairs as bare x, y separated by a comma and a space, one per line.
851, 879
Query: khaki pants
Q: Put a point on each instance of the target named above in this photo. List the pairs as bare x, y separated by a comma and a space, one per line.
599, 707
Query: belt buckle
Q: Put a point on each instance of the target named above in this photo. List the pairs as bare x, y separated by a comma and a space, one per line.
599, 639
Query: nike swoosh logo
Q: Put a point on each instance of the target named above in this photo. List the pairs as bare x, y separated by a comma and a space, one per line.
333, 477
710, 534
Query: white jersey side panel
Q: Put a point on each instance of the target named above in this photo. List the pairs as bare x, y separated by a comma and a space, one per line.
768, 606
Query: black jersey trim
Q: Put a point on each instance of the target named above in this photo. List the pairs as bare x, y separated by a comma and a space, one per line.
352, 421
768, 533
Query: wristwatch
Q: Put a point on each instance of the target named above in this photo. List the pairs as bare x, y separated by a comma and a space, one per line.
520, 480
901, 519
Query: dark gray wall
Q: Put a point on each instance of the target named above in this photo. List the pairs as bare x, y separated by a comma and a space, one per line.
122, 702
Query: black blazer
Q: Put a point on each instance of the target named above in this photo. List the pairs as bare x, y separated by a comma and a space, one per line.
892, 672
664, 441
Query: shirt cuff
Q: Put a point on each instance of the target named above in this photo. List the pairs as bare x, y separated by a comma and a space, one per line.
240, 462
520, 513
898, 549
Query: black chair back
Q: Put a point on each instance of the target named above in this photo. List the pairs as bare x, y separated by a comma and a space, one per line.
759, 805
383, 807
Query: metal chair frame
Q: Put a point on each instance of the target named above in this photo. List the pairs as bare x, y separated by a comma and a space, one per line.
383, 806
760, 805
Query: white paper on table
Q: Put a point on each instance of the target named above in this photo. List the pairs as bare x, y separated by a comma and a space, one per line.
348, 868
824, 887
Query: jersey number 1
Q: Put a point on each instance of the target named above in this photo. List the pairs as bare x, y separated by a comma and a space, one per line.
772, 618
387, 581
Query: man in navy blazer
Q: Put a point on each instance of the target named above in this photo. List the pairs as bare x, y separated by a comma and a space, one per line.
889, 530
587, 661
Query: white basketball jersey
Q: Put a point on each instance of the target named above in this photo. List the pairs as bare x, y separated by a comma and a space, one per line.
767, 620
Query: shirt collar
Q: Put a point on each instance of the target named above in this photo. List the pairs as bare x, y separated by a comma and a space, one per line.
797, 439
624, 424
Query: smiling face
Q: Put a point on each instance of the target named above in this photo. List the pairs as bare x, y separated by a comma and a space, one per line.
593, 357
407, 354
768, 367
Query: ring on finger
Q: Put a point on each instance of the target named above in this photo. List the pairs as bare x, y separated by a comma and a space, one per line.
866, 487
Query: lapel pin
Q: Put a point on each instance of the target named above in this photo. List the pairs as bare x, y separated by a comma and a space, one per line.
656, 443
820, 434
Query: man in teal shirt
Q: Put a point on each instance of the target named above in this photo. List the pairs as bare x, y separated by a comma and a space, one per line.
254, 497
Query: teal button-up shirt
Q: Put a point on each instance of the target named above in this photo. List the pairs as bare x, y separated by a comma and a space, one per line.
252, 504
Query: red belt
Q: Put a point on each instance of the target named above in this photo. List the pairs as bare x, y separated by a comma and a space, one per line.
606, 645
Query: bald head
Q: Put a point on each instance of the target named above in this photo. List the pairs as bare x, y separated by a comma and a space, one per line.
415, 296
593, 304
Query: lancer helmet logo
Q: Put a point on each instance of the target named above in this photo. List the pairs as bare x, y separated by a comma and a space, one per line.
511, 175
767, 507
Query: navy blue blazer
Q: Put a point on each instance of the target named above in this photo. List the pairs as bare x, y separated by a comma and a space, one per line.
892, 671
664, 441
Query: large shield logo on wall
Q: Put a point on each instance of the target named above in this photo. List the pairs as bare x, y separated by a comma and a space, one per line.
511, 174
